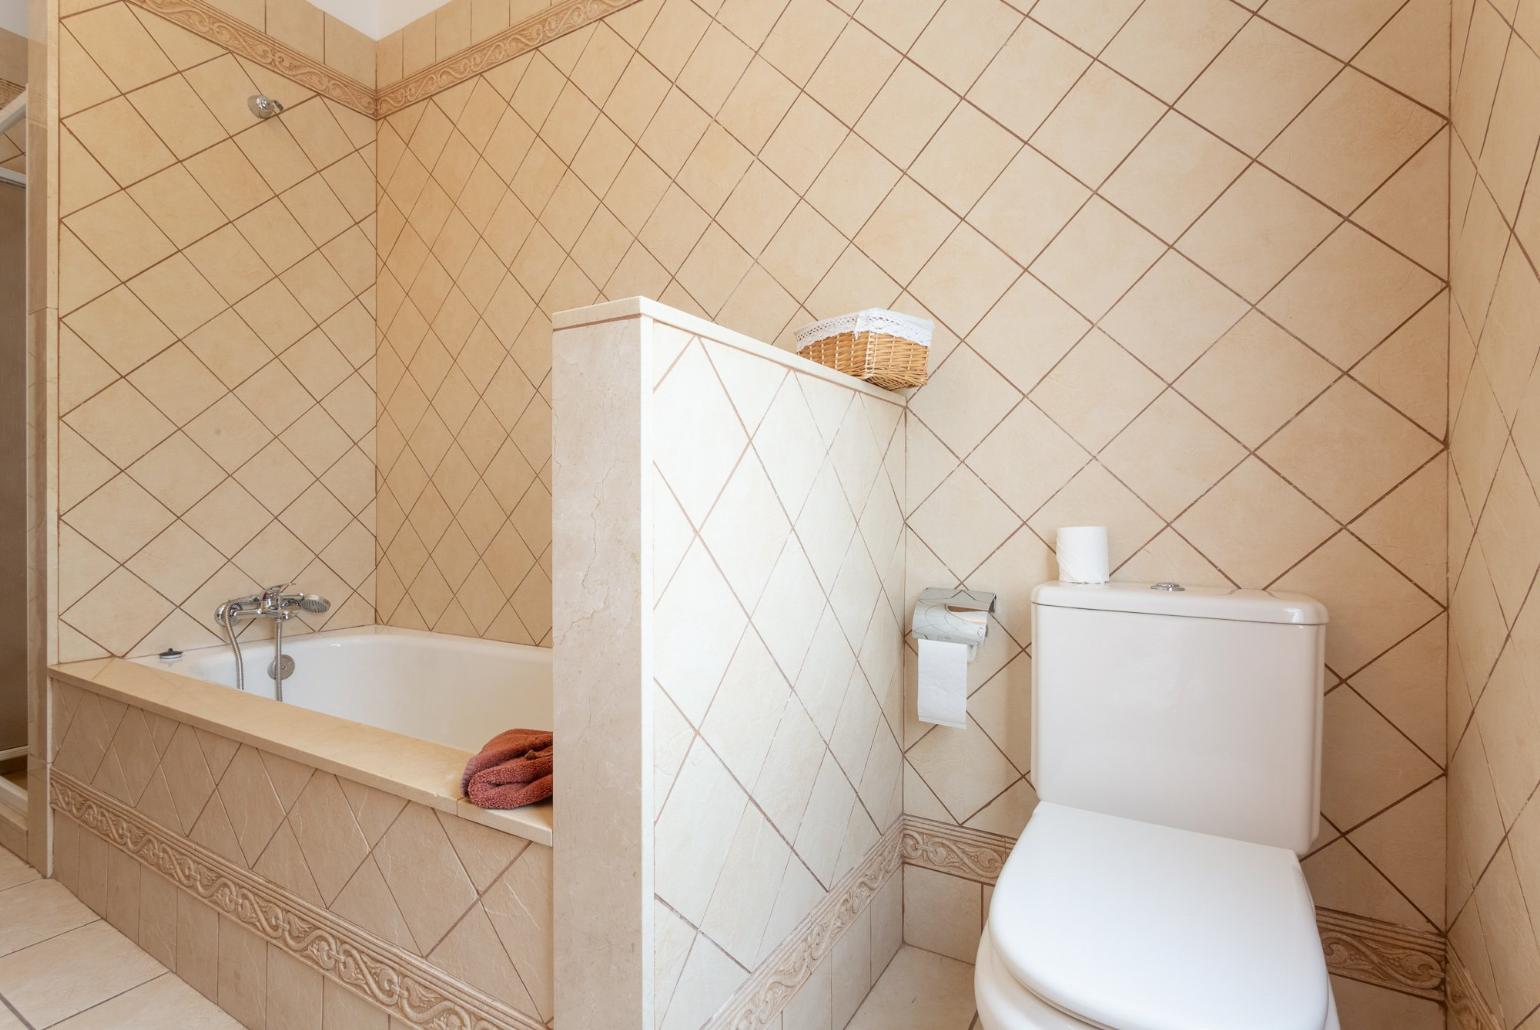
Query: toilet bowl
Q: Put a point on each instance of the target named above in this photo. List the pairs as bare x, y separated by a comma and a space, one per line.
1099, 921
1176, 742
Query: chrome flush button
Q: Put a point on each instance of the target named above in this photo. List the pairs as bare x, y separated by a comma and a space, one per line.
1169, 587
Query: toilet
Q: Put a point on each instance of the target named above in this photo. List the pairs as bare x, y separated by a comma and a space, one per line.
1176, 751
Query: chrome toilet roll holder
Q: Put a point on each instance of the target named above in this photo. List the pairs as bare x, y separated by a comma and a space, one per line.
956, 616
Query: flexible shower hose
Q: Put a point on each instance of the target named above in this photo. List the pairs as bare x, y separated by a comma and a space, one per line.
235, 645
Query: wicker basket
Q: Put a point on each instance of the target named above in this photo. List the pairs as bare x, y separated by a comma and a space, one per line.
885, 348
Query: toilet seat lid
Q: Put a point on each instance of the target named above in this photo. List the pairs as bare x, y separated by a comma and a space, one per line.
1142, 927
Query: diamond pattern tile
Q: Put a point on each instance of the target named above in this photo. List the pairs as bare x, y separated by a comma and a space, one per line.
418, 878
796, 768
185, 356
1098, 426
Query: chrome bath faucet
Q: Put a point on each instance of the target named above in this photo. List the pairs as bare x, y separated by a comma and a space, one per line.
271, 603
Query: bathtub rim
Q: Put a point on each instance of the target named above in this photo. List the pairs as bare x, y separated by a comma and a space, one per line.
407, 767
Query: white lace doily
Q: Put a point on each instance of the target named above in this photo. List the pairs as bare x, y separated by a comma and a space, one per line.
872, 320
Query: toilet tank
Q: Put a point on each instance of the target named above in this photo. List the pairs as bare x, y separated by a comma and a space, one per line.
1198, 709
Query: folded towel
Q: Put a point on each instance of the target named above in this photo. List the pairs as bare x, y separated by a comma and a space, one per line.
512, 770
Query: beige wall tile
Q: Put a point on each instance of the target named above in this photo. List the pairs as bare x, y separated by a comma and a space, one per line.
131, 234
942, 913
344, 1010
197, 945
299, 24
293, 993
158, 917
242, 973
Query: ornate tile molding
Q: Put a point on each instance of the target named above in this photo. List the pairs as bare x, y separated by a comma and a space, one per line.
1384, 954
1467, 1009
955, 850
256, 46
412, 990
760, 1001
536, 31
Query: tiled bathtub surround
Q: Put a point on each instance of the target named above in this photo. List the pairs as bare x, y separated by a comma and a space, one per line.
229, 863
216, 341
769, 612
1494, 518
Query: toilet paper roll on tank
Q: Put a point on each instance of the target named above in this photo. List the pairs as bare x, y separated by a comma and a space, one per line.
949, 626
1082, 554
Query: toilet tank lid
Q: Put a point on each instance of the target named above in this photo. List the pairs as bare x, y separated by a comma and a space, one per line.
1191, 602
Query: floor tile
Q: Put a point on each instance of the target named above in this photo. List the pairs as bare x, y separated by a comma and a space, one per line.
1366, 1007
13, 870
69, 973
8, 1020
36, 911
919, 990
166, 1001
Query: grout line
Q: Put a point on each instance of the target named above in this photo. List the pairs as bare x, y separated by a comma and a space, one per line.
16, 1012
129, 990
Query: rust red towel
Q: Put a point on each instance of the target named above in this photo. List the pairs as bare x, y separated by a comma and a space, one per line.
512, 770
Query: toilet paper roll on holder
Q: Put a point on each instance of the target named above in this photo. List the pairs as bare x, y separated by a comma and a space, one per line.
953, 615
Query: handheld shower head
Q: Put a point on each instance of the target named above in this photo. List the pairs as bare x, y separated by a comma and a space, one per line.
314, 603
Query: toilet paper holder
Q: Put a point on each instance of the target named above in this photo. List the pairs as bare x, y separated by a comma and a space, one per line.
954, 615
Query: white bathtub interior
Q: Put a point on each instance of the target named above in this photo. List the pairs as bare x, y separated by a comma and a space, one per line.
457, 691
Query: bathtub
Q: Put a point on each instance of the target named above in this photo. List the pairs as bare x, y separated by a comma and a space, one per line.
456, 691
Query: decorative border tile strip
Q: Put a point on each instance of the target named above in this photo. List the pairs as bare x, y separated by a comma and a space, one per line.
257, 46
411, 989
759, 1002
1384, 954
532, 32
1467, 1009
955, 850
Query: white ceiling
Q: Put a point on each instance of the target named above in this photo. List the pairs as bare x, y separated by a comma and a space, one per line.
374, 18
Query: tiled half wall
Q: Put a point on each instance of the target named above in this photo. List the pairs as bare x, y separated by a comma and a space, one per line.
764, 701
778, 567
283, 892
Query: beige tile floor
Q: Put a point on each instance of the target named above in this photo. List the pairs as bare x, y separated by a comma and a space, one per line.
61, 966
919, 990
